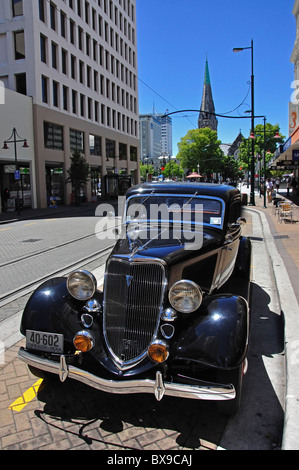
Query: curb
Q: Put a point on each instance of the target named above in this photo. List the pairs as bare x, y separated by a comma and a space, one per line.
290, 311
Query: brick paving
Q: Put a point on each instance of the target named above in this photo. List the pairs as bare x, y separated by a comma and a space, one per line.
73, 416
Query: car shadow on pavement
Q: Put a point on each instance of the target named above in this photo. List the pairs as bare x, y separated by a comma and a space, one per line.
259, 423
133, 422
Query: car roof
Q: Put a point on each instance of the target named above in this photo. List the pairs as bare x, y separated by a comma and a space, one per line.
202, 189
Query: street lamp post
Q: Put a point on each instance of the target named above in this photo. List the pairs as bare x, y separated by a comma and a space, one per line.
14, 140
239, 49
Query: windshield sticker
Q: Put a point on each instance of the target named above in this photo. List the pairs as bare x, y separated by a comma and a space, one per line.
215, 220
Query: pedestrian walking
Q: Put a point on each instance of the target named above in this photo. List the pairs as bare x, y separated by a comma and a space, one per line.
277, 183
269, 188
288, 185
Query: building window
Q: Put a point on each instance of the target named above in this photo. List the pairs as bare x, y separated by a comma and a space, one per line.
81, 71
17, 7
19, 40
72, 32
43, 48
110, 148
53, 16
65, 93
79, 7
64, 61
76, 140
55, 94
96, 111
62, 24
133, 154
80, 38
53, 136
41, 4
21, 86
122, 151
54, 55
74, 101
89, 108
44, 89
82, 105
95, 144
73, 67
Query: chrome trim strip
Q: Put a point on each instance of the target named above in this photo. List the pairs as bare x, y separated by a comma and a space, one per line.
198, 392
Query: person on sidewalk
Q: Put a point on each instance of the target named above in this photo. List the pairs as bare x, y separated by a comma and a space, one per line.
269, 188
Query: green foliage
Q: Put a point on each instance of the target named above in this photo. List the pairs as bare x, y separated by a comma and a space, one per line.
146, 170
270, 144
200, 147
171, 170
78, 173
230, 168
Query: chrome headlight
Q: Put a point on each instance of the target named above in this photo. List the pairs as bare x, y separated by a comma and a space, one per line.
185, 296
81, 284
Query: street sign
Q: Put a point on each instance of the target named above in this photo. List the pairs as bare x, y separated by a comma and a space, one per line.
17, 175
295, 155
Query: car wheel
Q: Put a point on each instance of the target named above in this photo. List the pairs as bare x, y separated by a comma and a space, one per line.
234, 377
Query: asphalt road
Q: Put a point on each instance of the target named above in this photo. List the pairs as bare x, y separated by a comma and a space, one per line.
32, 249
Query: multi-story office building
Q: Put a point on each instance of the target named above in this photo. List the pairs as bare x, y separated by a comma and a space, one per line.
166, 135
77, 59
155, 138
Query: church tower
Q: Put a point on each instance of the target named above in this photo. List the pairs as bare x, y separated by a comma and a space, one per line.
207, 105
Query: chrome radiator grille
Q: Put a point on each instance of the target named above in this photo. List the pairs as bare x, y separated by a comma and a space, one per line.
132, 304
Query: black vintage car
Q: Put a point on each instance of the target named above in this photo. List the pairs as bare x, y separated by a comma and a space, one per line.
173, 317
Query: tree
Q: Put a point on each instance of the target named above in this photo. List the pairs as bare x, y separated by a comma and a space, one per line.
200, 147
78, 174
146, 170
230, 168
172, 169
270, 144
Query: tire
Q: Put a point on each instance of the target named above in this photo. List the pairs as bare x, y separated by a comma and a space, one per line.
234, 377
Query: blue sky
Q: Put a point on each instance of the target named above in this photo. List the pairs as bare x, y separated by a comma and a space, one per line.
174, 37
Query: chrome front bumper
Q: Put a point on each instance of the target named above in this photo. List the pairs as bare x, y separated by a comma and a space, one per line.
202, 391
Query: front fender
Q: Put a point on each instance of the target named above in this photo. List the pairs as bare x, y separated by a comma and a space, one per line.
218, 335
51, 308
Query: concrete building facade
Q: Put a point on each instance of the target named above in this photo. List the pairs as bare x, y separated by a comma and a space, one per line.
155, 131
77, 59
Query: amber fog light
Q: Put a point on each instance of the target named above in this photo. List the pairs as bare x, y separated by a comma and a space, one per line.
83, 341
158, 351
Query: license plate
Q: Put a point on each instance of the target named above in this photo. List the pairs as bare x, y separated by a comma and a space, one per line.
42, 341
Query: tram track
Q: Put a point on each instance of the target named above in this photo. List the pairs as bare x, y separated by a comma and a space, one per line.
30, 286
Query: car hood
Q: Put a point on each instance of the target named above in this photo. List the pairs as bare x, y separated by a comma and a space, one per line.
167, 246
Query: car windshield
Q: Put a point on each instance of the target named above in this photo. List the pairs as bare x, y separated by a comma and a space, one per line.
175, 208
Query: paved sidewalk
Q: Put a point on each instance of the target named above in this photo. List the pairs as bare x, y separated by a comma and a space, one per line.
282, 243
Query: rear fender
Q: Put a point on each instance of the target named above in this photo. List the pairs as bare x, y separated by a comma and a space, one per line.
218, 335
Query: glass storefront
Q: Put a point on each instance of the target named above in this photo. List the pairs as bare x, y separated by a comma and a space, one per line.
15, 186
55, 184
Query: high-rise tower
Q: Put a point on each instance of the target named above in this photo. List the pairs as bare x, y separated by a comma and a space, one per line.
206, 119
